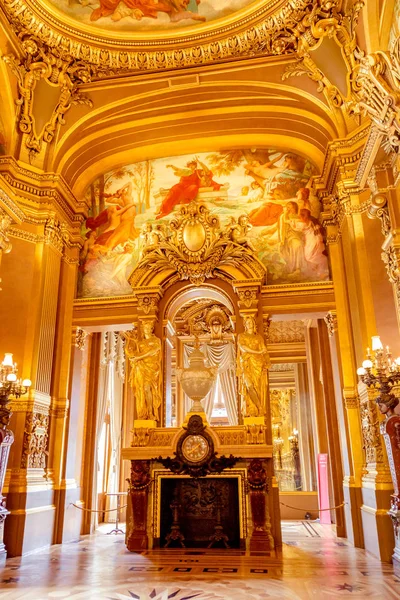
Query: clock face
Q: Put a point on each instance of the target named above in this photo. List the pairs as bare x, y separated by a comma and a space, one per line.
195, 448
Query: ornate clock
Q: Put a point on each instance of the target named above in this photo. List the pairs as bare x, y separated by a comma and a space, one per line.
195, 454
195, 448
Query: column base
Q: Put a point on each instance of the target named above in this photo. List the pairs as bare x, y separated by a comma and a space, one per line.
137, 542
260, 542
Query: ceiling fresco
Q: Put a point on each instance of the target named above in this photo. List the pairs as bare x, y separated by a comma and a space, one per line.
148, 15
270, 187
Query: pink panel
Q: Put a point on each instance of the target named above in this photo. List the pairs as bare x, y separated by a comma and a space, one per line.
323, 489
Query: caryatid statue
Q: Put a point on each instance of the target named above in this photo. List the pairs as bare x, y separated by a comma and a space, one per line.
252, 369
146, 380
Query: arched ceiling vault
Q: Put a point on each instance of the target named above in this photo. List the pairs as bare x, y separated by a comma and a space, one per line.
192, 119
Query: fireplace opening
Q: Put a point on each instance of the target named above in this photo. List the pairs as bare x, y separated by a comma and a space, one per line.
205, 511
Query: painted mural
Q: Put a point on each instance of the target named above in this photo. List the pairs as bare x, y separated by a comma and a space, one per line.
139, 200
145, 15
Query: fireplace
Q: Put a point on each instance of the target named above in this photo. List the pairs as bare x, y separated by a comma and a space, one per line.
203, 503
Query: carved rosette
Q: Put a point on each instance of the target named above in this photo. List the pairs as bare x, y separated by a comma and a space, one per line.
148, 300
248, 294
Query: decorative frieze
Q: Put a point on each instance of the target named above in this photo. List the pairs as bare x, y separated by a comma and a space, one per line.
286, 332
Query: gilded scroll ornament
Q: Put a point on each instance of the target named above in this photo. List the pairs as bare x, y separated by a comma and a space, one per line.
144, 356
36, 435
57, 68
195, 248
253, 364
377, 78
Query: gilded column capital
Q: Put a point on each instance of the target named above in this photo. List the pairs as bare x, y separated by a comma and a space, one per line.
351, 398
248, 292
80, 338
331, 322
148, 299
55, 233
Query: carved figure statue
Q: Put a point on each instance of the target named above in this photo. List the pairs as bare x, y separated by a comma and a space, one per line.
152, 236
238, 232
145, 359
252, 367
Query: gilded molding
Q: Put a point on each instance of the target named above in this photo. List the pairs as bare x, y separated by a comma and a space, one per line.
277, 28
35, 190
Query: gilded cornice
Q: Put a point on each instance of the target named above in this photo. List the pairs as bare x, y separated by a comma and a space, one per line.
269, 28
34, 191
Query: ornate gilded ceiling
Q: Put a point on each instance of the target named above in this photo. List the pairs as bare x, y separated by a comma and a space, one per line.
106, 35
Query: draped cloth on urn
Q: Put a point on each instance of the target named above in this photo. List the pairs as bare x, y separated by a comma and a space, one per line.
221, 356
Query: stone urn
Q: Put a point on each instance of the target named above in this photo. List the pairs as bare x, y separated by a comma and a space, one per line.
197, 379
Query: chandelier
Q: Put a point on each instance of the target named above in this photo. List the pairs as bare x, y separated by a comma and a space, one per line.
10, 385
380, 372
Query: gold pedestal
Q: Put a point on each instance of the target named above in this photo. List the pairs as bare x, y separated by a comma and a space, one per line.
254, 421
144, 424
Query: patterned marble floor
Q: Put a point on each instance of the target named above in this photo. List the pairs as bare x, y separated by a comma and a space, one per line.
315, 564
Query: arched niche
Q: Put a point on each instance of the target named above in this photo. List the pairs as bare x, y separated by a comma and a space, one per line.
193, 300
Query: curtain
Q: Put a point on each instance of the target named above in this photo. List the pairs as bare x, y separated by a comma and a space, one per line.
102, 403
221, 356
116, 382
